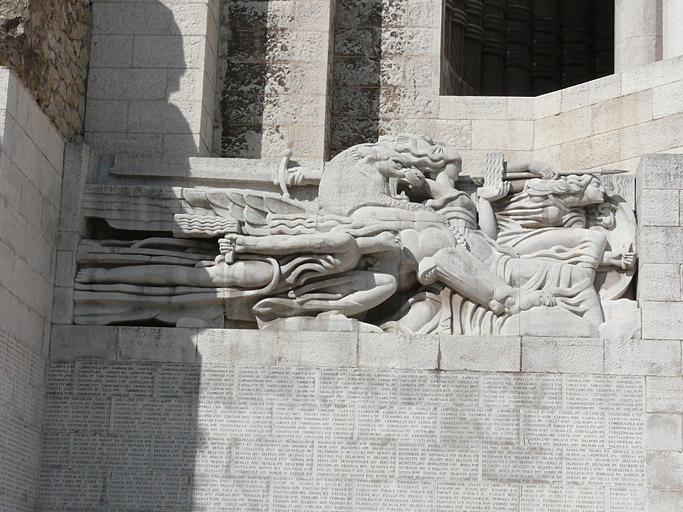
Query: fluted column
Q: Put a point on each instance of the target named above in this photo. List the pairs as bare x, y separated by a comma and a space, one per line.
672, 34
493, 49
577, 42
474, 38
637, 33
546, 74
518, 47
454, 35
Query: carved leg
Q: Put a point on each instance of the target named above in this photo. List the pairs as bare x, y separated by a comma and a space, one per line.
462, 272
243, 274
351, 294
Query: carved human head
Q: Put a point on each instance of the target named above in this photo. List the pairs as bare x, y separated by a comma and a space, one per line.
573, 190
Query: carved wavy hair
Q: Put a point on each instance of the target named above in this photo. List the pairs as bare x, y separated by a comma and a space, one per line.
418, 150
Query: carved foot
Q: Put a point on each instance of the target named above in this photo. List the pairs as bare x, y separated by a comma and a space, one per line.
528, 300
87, 275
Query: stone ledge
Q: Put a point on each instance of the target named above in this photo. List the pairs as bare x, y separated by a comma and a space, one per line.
658, 359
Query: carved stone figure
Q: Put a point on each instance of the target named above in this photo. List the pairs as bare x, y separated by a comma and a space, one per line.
391, 243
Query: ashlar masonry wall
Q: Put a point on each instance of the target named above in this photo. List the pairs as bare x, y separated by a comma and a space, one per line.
254, 420
31, 152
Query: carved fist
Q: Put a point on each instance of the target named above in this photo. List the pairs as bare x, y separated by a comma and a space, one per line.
495, 193
628, 259
414, 177
542, 170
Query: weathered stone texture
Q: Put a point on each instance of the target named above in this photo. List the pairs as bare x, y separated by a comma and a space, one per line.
31, 153
46, 43
282, 435
274, 68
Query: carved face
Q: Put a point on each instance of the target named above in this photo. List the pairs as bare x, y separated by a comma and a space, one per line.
594, 193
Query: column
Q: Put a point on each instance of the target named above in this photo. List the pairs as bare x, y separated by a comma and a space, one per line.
546, 73
637, 33
474, 37
672, 35
577, 42
455, 23
518, 46
493, 50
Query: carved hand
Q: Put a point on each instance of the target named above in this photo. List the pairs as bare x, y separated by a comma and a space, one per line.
494, 193
542, 170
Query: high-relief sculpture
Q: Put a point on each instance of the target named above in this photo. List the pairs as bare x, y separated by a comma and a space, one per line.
391, 243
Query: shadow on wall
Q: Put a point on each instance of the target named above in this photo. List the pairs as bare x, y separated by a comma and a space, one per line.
357, 73
245, 77
122, 434
157, 88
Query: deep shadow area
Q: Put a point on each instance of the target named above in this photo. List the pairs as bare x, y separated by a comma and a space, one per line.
525, 47
120, 430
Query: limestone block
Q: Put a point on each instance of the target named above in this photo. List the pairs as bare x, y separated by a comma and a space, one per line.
564, 127
178, 52
664, 501
643, 357
65, 268
659, 208
660, 171
589, 152
236, 347
660, 244
138, 144
502, 135
589, 93
667, 100
664, 394
520, 108
127, 84
163, 117
69, 342
657, 135
659, 282
157, 344
142, 18
664, 432
457, 134
485, 354
335, 349
563, 355
63, 307
665, 470
473, 107
106, 116
662, 320
188, 19
653, 75
622, 111
111, 51
398, 351
547, 105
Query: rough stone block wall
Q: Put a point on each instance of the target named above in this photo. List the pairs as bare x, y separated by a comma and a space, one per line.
46, 43
274, 58
385, 74
152, 80
31, 151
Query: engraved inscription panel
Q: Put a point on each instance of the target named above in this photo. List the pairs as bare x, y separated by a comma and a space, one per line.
215, 437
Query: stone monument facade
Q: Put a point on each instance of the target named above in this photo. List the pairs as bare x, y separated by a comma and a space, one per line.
282, 268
